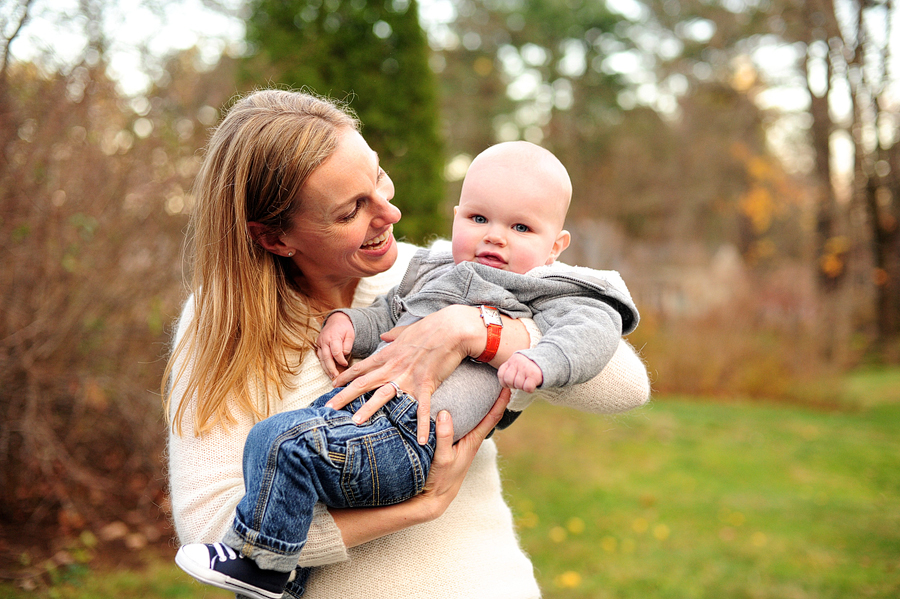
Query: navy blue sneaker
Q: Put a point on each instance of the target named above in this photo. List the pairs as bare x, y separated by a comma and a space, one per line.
221, 566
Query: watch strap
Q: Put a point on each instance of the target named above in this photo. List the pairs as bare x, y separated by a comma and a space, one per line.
493, 338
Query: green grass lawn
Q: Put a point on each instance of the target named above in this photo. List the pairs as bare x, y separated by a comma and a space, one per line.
688, 498
683, 498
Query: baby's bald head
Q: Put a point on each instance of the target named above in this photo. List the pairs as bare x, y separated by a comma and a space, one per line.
521, 163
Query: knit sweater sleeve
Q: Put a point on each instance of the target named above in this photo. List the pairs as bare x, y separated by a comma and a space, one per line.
206, 475
622, 385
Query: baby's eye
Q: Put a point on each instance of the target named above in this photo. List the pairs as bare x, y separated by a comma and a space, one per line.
479, 219
520, 228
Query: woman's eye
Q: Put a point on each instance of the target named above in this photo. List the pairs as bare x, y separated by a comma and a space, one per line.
479, 219
353, 214
521, 228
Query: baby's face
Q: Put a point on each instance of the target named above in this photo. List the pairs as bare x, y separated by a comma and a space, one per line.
507, 222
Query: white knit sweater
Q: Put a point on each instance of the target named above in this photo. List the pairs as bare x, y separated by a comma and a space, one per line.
470, 551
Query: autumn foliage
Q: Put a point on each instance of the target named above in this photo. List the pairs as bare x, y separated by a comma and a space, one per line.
92, 190
750, 282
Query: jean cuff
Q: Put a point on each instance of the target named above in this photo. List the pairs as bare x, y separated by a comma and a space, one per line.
249, 544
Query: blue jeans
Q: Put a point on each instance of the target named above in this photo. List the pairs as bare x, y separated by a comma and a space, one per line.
294, 459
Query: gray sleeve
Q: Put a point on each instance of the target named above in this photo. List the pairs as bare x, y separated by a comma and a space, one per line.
580, 335
370, 322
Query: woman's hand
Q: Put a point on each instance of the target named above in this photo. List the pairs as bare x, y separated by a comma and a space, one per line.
448, 470
419, 358
451, 462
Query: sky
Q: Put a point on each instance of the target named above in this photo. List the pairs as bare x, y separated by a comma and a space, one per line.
130, 26
135, 33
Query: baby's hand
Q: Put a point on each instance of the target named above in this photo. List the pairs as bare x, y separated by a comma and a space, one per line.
334, 343
518, 372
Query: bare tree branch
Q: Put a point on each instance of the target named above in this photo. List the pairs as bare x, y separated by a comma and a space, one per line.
24, 7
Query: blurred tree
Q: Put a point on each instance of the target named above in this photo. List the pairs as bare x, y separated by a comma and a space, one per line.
534, 71
76, 249
839, 54
845, 53
646, 109
92, 191
375, 55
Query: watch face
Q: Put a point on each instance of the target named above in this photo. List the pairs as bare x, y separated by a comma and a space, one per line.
491, 316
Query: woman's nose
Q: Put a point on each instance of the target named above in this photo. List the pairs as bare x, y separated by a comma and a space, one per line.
392, 213
386, 213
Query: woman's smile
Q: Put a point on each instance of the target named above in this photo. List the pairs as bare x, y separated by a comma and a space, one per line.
381, 242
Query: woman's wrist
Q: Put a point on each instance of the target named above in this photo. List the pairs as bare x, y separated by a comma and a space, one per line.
472, 336
468, 328
361, 525
426, 507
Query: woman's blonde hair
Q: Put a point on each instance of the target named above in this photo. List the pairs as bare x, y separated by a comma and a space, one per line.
248, 318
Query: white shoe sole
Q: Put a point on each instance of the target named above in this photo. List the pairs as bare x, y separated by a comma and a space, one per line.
203, 574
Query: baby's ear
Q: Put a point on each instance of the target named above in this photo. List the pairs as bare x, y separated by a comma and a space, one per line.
561, 243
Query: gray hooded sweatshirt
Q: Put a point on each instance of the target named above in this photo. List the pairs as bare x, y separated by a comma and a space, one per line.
581, 313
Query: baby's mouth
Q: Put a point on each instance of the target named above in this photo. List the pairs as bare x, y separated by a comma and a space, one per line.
491, 260
378, 242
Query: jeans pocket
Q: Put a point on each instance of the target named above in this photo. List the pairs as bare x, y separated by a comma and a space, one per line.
383, 468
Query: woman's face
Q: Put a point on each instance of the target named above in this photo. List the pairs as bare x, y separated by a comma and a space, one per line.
344, 229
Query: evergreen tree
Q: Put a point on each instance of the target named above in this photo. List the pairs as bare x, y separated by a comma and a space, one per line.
374, 55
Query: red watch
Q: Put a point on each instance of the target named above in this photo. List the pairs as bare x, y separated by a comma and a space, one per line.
491, 317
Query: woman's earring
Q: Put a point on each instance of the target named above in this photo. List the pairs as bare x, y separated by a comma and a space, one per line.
291, 254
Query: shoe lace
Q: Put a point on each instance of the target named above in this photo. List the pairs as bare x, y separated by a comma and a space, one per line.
224, 553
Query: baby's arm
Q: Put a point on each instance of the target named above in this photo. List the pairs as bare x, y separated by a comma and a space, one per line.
518, 372
581, 328
335, 343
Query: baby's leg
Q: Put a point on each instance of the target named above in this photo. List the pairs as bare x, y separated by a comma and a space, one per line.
292, 461
295, 459
383, 463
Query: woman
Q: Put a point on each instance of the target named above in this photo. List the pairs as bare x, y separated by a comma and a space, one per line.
293, 219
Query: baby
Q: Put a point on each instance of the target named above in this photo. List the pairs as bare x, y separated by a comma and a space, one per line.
509, 222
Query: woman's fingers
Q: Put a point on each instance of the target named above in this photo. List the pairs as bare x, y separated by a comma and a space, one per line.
357, 373
354, 389
392, 334
381, 396
487, 424
423, 418
447, 468
451, 462
443, 432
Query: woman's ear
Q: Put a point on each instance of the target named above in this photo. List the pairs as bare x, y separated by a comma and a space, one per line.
561, 243
268, 239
